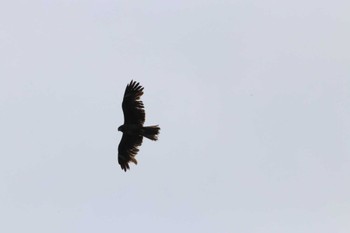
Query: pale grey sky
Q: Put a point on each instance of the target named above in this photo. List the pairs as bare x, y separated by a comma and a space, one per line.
253, 99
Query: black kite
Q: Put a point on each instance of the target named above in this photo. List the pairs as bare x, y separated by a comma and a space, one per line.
133, 129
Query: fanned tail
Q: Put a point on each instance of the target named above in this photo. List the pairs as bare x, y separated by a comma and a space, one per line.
151, 132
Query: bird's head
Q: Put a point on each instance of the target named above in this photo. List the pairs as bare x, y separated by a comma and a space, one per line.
121, 128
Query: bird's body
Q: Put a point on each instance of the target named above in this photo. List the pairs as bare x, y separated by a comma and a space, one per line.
130, 129
133, 129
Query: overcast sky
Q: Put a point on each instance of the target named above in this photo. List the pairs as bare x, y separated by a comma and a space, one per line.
252, 97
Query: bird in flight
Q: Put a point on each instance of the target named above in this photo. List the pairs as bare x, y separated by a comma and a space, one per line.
133, 129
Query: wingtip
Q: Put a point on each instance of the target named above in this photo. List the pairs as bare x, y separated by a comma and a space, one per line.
132, 82
124, 163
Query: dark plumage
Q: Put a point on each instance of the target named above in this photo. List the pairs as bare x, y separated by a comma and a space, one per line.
133, 129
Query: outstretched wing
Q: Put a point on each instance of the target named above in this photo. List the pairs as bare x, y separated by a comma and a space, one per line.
133, 108
127, 150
